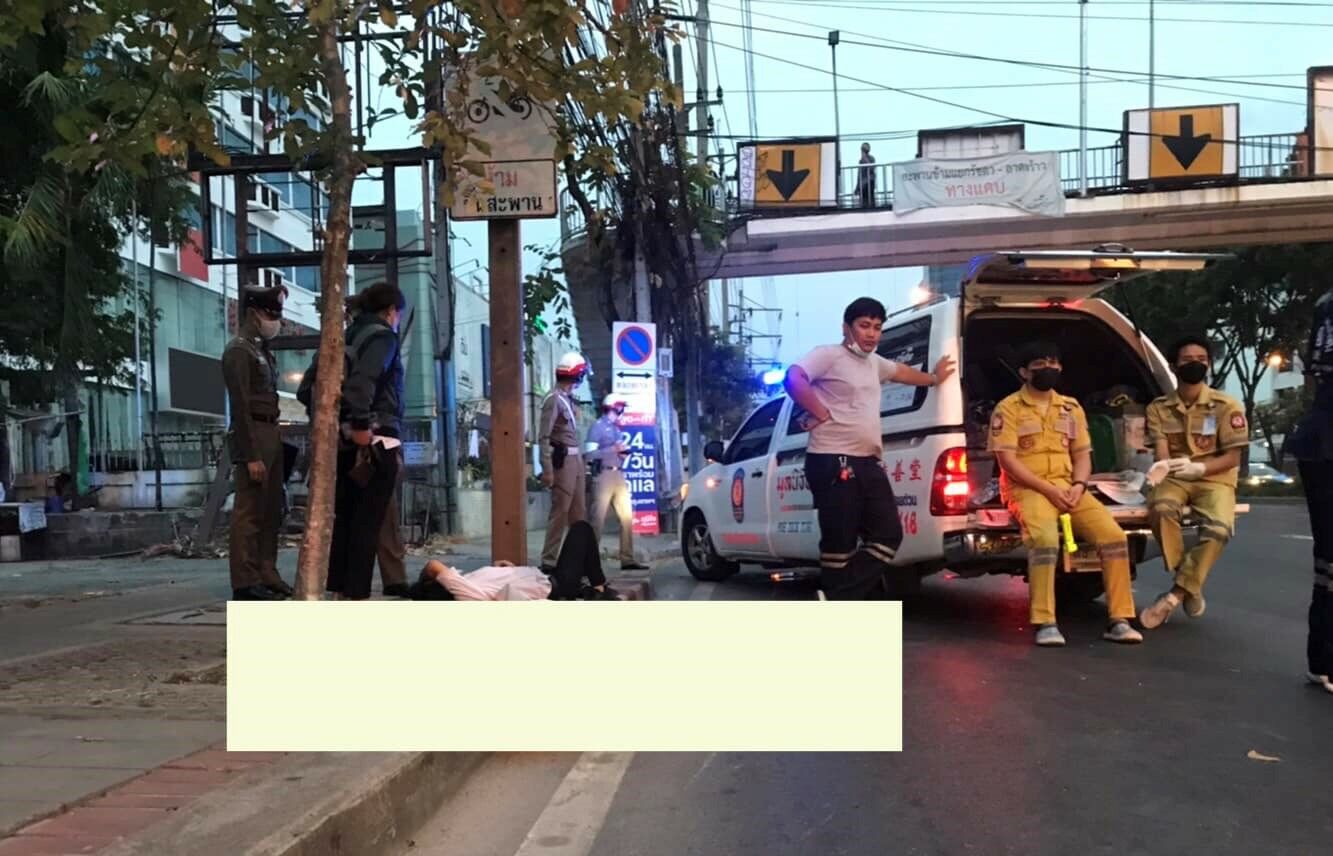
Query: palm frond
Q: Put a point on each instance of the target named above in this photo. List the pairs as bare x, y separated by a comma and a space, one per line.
58, 92
39, 224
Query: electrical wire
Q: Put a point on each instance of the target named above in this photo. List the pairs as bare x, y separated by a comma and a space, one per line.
917, 48
1041, 123
859, 6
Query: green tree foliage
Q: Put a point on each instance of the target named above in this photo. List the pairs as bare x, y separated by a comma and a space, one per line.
1254, 307
729, 389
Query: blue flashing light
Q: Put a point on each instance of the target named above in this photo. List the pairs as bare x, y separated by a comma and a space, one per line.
774, 376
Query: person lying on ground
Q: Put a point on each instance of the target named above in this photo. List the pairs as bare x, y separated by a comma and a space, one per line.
579, 561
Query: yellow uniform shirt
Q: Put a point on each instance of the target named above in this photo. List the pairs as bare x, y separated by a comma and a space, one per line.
1044, 441
1213, 424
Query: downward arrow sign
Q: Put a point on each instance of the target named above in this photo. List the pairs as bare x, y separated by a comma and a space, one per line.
1185, 147
788, 179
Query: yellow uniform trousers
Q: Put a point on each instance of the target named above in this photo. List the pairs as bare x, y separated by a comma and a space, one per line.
1040, 523
1214, 506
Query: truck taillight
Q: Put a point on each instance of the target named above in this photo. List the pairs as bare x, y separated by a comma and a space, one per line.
949, 491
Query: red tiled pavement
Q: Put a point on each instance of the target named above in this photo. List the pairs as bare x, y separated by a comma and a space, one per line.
134, 805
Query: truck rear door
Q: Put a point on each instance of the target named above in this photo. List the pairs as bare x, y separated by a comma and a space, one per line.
1054, 277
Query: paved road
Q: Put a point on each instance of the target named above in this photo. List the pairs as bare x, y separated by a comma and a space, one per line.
1008, 748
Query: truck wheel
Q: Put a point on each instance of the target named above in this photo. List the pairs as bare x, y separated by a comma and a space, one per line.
1075, 589
696, 544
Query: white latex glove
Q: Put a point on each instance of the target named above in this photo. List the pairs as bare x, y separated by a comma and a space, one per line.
1188, 470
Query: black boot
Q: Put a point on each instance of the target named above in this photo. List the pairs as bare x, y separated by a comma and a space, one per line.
281, 589
255, 593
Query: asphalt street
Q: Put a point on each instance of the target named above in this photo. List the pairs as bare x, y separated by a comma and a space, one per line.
1008, 748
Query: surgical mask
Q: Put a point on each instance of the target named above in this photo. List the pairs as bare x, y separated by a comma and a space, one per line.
269, 328
1192, 372
856, 349
1045, 379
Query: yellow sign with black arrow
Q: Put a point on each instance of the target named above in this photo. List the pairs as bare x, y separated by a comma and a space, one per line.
1177, 144
791, 174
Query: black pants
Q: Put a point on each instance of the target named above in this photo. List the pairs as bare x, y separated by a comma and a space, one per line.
358, 516
580, 559
859, 529
1318, 479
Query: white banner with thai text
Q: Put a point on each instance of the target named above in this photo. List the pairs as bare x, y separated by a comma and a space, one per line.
1028, 181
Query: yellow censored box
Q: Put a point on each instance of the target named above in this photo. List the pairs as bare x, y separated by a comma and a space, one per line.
539, 676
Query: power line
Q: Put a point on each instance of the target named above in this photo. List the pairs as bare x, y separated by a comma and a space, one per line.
1003, 117
907, 10
929, 50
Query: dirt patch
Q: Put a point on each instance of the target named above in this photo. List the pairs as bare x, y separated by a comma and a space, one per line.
169, 676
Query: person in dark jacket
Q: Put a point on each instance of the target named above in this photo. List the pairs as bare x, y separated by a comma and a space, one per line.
1312, 445
370, 424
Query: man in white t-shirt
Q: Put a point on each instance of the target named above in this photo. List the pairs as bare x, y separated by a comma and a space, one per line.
838, 387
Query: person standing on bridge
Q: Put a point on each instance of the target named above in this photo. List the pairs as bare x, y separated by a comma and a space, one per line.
839, 388
1312, 445
865, 178
1201, 433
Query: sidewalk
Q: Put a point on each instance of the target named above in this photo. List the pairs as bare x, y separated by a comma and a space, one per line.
114, 726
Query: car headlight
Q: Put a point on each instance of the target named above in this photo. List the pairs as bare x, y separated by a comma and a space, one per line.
1254, 481
711, 482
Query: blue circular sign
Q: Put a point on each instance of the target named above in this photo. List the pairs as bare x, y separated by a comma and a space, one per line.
634, 346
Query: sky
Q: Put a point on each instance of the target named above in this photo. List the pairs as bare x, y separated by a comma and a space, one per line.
1269, 44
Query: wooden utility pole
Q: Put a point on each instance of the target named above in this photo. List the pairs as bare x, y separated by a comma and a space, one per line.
509, 530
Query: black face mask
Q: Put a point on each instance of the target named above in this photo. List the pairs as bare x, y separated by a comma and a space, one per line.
1045, 379
1193, 372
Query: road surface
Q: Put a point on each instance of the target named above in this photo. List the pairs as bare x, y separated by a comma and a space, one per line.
1091, 749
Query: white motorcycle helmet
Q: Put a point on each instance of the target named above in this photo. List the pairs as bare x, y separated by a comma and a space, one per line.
572, 367
614, 402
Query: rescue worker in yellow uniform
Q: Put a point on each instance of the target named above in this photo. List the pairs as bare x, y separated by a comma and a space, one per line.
1201, 433
1040, 439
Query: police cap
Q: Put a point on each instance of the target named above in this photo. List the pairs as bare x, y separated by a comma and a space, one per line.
267, 299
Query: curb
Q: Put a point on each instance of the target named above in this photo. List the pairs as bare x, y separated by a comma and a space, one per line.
312, 805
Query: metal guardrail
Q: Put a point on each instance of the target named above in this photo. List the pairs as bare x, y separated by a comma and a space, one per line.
1261, 159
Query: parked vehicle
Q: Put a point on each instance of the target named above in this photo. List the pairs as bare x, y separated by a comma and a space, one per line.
751, 504
1263, 474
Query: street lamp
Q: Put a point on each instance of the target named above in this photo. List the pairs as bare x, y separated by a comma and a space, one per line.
833, 40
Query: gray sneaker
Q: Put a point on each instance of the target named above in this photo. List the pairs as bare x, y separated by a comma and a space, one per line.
1049, 636
1157, 614
1121, 632
1195, 605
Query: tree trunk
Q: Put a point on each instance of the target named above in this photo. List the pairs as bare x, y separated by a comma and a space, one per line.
313, 564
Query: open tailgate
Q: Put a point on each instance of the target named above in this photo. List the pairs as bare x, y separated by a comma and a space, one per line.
1047, 277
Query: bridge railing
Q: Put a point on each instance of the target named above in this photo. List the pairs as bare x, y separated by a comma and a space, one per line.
1261, 159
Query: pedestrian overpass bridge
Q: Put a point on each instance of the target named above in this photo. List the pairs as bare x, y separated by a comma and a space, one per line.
1271, 200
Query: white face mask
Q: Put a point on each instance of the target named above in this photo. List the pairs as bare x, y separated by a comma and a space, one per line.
856, 349
268, 329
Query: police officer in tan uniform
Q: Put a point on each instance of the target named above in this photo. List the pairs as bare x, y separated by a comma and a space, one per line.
251, 376
562, 465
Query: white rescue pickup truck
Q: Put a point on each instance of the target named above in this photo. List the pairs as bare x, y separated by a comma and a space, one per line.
751, 503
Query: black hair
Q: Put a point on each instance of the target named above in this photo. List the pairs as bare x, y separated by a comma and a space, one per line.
1185, 341
380, 297
864, 307
1037, 351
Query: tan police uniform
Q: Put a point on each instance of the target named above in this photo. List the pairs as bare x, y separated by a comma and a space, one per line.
559, 426
251, 376
1045, 437
1212, 425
